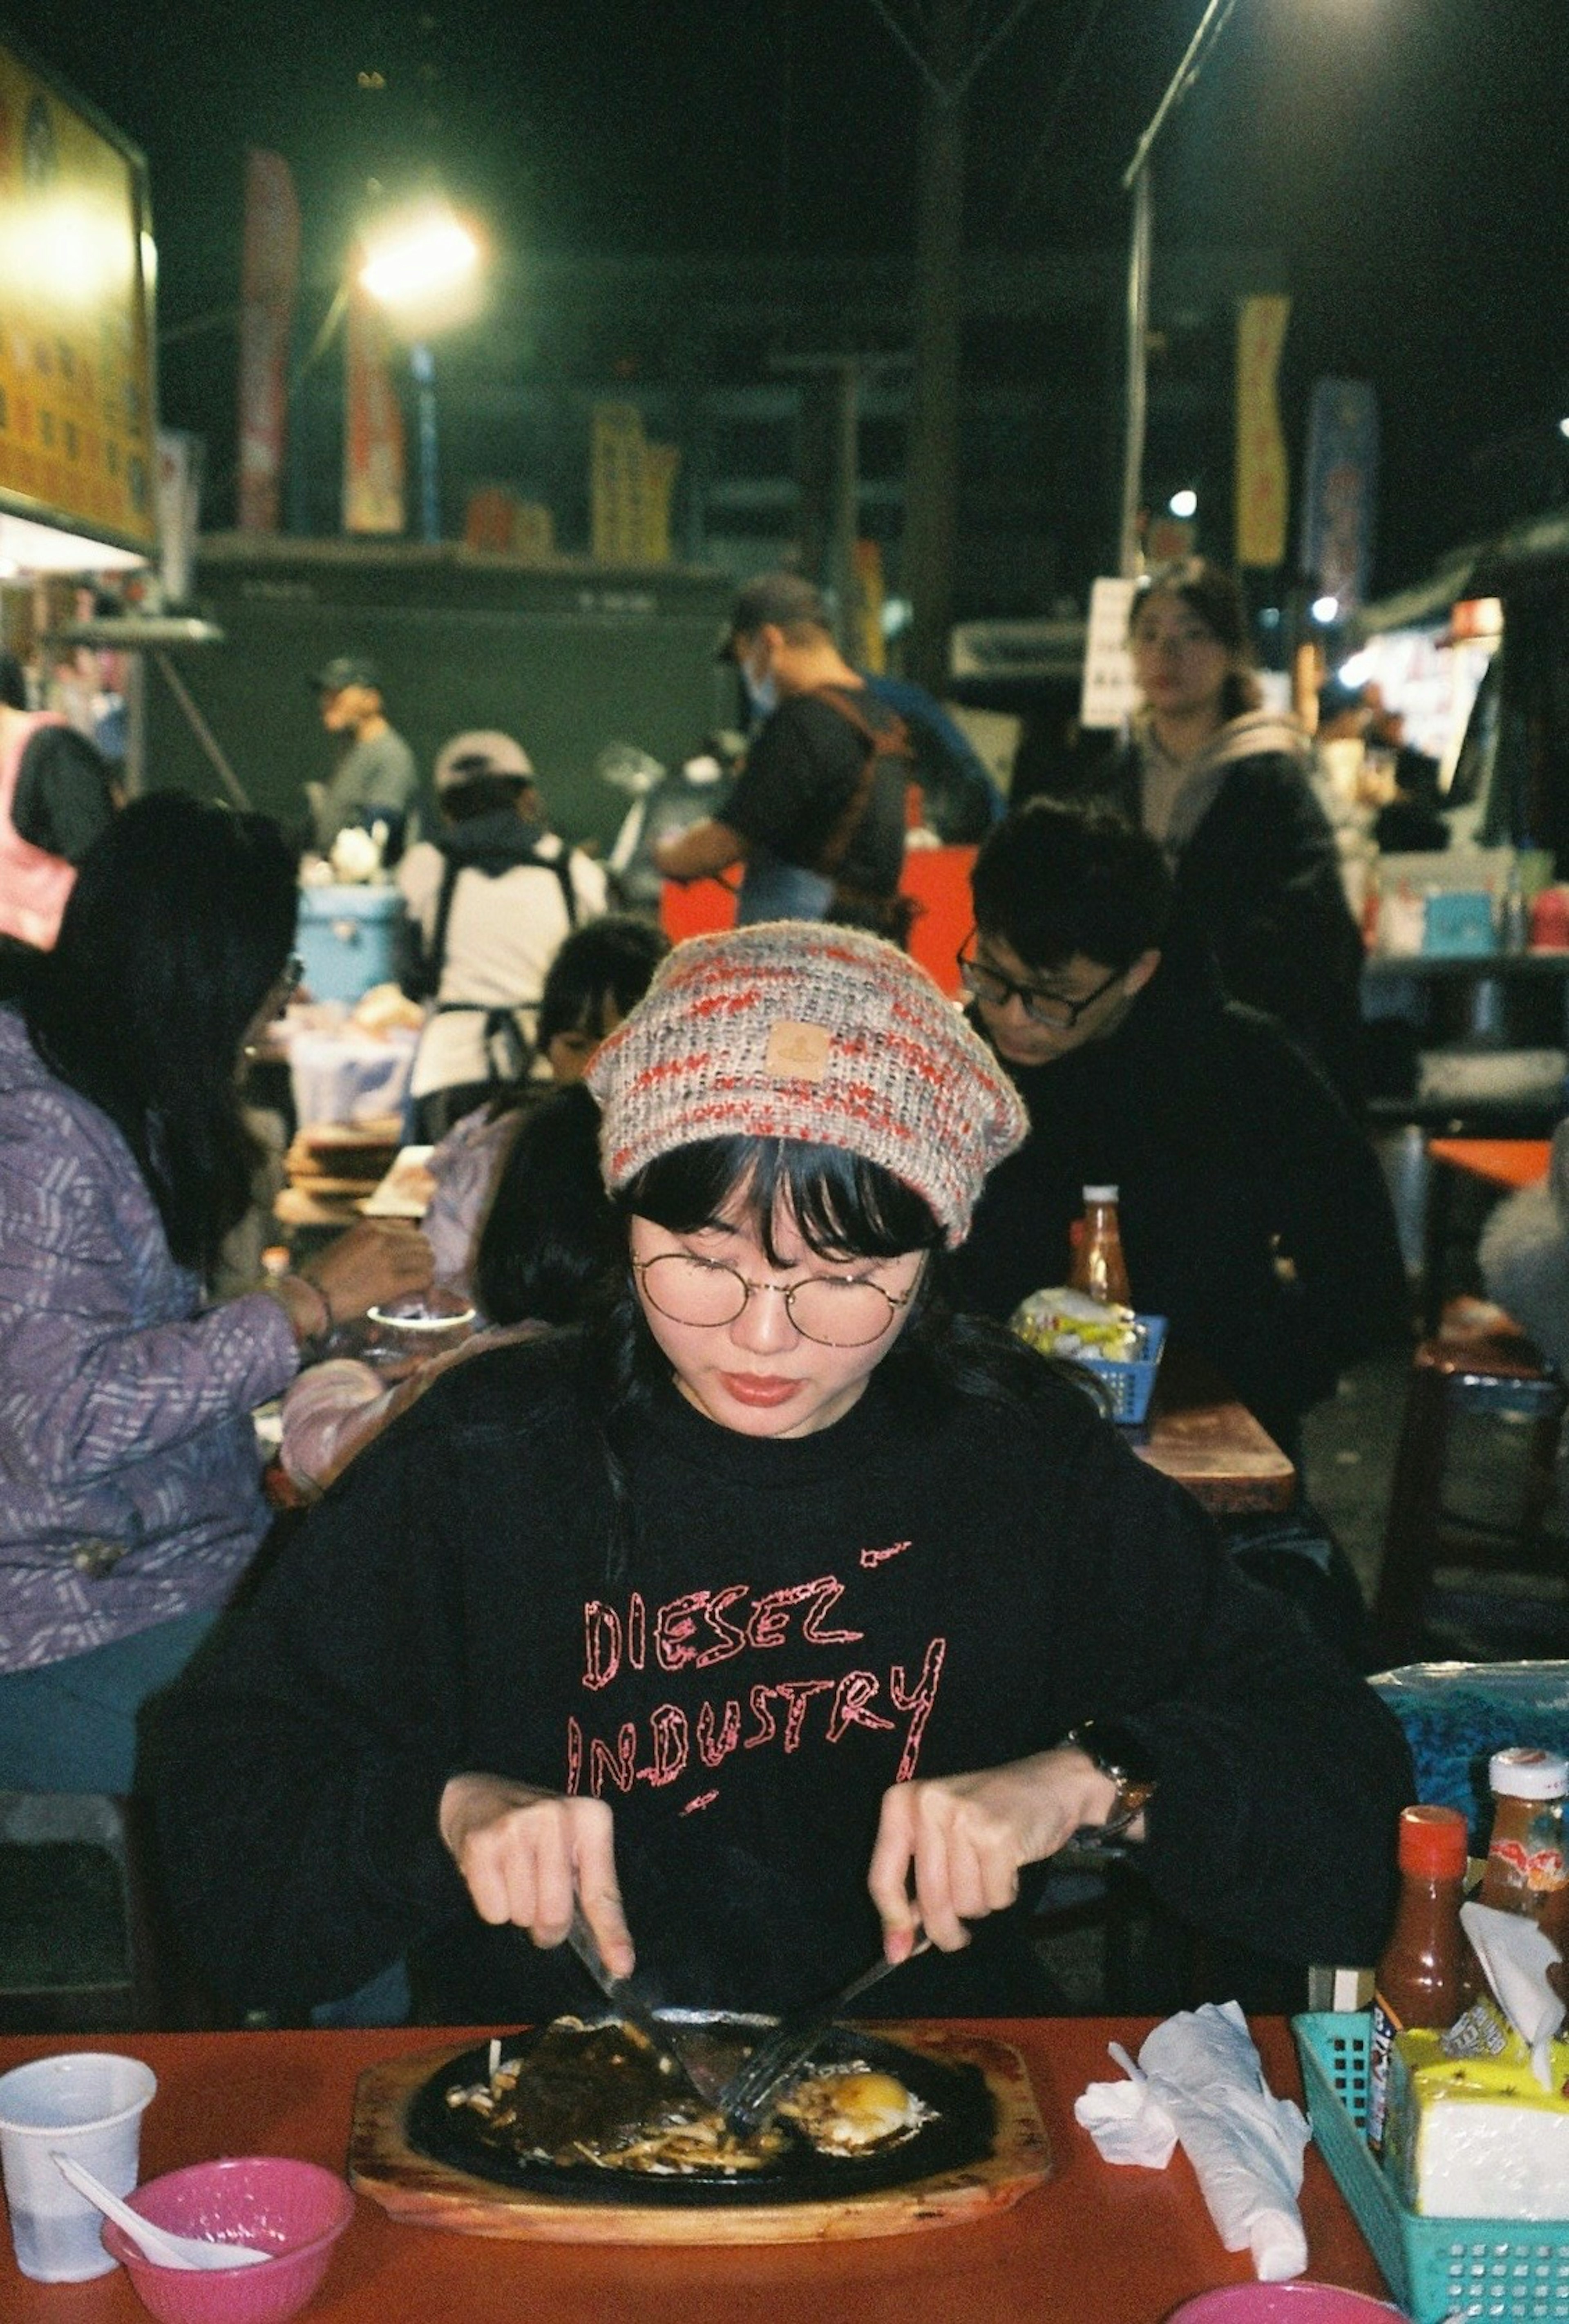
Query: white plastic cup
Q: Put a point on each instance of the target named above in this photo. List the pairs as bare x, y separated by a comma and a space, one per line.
86, 2104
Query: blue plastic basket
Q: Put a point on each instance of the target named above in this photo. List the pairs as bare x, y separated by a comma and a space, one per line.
1515, 2269
1130, 1386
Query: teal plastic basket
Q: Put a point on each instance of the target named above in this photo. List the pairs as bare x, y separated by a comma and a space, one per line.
1515, 2269
1129, 1386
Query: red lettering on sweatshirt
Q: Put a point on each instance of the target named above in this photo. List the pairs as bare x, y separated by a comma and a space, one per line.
636, 1630
574, 1757
851, 1697
732, 1639
601, 1644
618, 1766
715, 1749
870, 1557
671, 1748
918, 1702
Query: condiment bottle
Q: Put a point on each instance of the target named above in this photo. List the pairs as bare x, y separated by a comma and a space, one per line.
1417, 1982
1097, 1267
1525, 1857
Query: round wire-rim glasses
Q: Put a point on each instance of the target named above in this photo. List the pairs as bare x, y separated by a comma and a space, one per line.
828, 1309
989, 984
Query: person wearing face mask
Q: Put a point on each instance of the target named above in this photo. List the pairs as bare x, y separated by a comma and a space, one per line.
817, 815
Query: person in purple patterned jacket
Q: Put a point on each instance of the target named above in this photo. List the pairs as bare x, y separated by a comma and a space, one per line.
130, 1495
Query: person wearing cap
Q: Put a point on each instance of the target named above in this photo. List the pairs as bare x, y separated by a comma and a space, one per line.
777, 1610
488, 904
817, 815
374, 779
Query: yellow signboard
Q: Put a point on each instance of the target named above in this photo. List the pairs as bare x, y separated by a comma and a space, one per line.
1264, 482
77, 412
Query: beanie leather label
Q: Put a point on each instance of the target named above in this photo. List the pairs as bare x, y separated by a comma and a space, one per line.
797, 1052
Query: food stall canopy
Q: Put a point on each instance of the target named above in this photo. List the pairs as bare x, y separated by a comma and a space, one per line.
78, 404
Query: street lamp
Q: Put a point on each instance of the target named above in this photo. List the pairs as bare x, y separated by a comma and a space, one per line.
1135, 181
422, 267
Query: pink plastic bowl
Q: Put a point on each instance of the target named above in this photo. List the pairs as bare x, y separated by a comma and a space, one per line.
296, 2209
1281, 2303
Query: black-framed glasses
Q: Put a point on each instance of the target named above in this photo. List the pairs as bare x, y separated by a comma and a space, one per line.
835, 1311
1054, 1009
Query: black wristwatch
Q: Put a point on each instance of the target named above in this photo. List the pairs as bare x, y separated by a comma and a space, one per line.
1117, 1753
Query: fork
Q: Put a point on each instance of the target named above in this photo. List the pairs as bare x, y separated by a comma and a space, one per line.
754, 2090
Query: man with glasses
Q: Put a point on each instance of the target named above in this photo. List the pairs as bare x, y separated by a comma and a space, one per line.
1254, 1216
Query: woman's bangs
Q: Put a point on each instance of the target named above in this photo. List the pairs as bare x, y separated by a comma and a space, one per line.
842, 1205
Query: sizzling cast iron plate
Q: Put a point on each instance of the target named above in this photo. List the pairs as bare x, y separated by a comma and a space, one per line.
960, 2133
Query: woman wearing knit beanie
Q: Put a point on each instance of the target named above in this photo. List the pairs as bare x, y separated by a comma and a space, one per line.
775, 1616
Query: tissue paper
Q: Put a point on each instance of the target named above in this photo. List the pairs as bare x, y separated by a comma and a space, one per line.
1199, 2079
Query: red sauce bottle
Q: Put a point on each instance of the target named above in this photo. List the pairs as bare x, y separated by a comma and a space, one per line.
1418, 1980
1098, 1266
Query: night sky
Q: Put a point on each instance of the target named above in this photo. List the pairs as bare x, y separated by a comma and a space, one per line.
1409, 159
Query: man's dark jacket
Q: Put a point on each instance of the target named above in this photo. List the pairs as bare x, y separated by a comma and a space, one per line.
1254, 1213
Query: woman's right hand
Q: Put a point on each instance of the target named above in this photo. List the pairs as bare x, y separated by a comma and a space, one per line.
373, 1261
525, 1855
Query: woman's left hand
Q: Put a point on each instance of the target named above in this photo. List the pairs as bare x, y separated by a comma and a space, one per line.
966, 1838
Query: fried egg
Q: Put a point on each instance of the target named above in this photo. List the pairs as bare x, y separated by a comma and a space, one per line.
850, 2109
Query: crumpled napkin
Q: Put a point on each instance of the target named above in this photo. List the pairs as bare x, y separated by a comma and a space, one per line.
1199, 2080
1515, 1957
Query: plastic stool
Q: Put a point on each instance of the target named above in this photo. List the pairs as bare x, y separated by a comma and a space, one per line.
95, 1820
1476, 1364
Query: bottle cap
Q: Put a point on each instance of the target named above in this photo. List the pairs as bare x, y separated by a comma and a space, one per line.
1100, 1194
1433, 1841
1525, 1774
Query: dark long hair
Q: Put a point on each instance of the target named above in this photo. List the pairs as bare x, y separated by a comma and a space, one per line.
844, 1207
178, 928
1214, 598
550, 1238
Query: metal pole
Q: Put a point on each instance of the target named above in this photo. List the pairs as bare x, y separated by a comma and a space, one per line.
1129, 546
423, 363
846, 525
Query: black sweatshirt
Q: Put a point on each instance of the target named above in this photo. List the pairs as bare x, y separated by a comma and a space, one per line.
914, 1590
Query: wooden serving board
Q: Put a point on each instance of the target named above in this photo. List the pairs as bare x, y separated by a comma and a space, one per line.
411, 2187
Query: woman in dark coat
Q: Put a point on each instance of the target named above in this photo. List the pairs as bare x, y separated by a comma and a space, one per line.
1224, 785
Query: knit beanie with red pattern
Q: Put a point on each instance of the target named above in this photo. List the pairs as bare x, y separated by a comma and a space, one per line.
795, 1028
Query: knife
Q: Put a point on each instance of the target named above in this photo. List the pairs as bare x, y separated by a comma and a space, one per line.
629, 2003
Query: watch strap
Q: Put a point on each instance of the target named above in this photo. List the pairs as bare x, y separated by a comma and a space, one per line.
1117, 1753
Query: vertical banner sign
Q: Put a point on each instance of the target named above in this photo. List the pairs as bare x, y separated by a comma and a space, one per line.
1109, 696
1340, 495
178, 500
269, 279
77, 408
372, 430
1263, 484
616, 483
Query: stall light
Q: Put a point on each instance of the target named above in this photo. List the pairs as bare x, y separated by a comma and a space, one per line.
1183, 504
1357, 671
1563, 427
1323, 610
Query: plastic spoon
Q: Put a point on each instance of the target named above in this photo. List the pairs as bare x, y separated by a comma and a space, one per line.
160, 2244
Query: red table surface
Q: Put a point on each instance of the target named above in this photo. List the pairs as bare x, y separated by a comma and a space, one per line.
1500, 1161
1095, 2244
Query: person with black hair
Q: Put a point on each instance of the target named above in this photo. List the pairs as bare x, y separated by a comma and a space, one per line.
545, 1245
773, 1614
57, 795
518, 1218
1254, 1216
375, 779
130, 1485
1224, 785
489, 904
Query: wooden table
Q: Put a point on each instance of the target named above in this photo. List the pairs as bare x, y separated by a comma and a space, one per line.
1199, 1435
1094, 2245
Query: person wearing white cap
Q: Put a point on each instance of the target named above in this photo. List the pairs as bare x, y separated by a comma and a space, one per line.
489, 904
770, 1613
